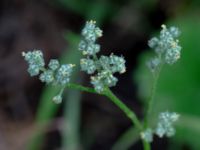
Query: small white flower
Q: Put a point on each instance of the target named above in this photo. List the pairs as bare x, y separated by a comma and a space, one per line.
147, 135
165, 124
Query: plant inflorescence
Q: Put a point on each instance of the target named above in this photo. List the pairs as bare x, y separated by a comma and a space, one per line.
102, 69
166, 47
54, 74
167, 51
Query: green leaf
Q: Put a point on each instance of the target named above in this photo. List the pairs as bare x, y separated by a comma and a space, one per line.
71, 137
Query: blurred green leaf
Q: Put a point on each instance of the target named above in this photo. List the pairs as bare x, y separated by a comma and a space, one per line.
46, 111
78, 6
127, 139
98, 10
71, 137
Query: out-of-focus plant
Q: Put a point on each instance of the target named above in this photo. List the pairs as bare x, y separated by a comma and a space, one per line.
178, 86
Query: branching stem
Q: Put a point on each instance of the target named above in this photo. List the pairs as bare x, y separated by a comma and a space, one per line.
128, 112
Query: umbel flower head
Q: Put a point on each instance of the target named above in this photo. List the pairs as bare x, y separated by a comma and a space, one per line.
166, 47
35, 61
147, 135
54, 74
90, 34
164, 127
165, 124
102, 68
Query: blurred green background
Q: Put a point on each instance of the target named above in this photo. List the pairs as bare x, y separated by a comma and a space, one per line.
29, 120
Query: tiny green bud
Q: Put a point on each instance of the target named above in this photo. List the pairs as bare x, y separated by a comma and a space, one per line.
147, 135
153, 42
153, 64
63, 74
35, 61
53, 64
97, 83
166, 46
88, 65
165, 124
57, 99
47, 76
117, 63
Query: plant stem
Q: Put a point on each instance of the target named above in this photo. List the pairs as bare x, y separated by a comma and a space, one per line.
81, 88
146, 145
150, 101
108, 93
129, 113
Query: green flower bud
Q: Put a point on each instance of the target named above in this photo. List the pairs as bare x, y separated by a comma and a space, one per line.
63, 74
165, 124
147, 135
53, 64
88, 65
47, 76
57, 99
35, 61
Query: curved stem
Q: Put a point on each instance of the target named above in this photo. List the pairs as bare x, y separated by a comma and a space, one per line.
129, 113
108, 93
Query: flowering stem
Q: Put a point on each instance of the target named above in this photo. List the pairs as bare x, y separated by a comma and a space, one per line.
146, 145
150, 101
129, 113
81, 88
108, 93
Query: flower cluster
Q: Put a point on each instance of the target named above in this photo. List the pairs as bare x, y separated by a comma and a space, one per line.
164, 126
54, 74
35, 60
104, 67
90, 33
166, 47
147, 135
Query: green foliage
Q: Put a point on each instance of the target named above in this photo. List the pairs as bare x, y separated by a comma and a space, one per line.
97, 9
72, 106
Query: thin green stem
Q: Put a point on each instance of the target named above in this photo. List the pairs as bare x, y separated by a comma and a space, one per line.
146, 145
129, 113
108, 93
151, 99
81, 88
